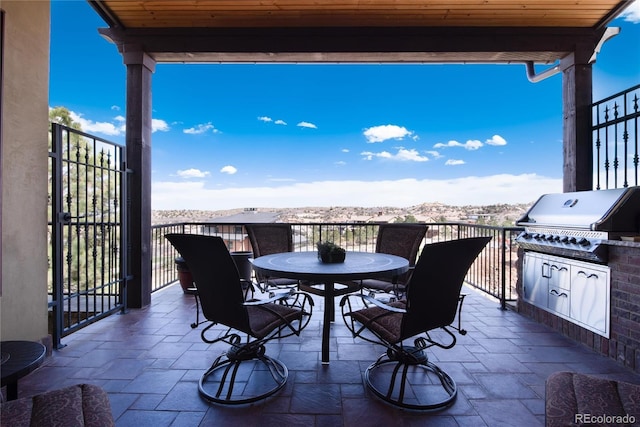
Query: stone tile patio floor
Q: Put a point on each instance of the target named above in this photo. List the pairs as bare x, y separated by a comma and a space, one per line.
150, 360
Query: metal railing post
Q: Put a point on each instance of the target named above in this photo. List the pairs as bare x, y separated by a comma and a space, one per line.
57, 233
503, 273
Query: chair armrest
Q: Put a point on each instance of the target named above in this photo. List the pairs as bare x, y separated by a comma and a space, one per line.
381, 304
275, 297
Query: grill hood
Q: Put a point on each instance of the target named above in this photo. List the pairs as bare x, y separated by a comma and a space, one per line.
616, 210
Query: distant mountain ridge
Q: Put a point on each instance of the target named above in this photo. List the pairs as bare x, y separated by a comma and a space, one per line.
496, 214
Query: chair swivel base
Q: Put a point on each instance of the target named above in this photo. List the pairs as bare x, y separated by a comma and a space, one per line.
407, 381
239, 377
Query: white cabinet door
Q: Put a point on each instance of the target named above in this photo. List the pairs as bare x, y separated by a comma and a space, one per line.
590, 304
535, 284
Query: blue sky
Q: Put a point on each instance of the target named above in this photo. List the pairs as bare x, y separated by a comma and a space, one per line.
283, 135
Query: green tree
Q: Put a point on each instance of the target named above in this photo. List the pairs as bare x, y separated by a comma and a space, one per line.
407, 219
62, 116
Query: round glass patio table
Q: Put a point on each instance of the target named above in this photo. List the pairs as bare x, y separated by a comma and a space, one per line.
307, 266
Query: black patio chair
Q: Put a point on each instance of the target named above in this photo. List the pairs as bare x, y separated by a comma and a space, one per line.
244, 373
190, 289
396, 239
403, 375
267, 239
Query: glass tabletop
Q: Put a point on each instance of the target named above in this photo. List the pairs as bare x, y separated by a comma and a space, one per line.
306, 265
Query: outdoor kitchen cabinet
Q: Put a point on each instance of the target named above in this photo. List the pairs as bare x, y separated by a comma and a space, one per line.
574, 290
590, 297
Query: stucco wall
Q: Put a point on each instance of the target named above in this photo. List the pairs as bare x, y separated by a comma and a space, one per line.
25, 92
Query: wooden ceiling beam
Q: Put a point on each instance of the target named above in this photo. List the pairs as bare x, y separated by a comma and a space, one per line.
415, 44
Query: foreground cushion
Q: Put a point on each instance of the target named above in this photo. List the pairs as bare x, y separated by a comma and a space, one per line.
576, 399
82, 405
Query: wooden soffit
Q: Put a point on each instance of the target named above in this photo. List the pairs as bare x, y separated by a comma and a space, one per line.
542, 31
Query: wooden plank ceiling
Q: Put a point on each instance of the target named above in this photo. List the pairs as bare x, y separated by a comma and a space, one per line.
350, 13
357, 30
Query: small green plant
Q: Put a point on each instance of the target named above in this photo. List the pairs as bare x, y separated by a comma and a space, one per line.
329, 252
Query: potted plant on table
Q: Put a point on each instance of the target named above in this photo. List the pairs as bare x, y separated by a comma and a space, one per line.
329, 252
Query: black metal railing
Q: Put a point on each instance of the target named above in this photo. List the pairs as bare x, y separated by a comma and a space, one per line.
615, 139
494, 271
86, 226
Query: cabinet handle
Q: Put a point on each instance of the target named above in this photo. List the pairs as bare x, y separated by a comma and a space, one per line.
546, 270
556, 293
589, 276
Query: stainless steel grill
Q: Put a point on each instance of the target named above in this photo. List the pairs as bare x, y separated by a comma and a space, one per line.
575, 224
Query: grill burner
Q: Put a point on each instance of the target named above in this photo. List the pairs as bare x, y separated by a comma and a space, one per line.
575, 224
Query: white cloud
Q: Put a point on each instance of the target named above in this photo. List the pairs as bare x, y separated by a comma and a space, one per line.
201, 128
104, 128
472, 144
434, 154
228, 170
454, 162
307, 125
632, 13
115, 108
340, 163
282, 180
473, 190
345, 150
369, 155
496, 140
90, 126
410, 155
268, 119
385, 132
117, 128
192, 173
402, 155
159, 125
